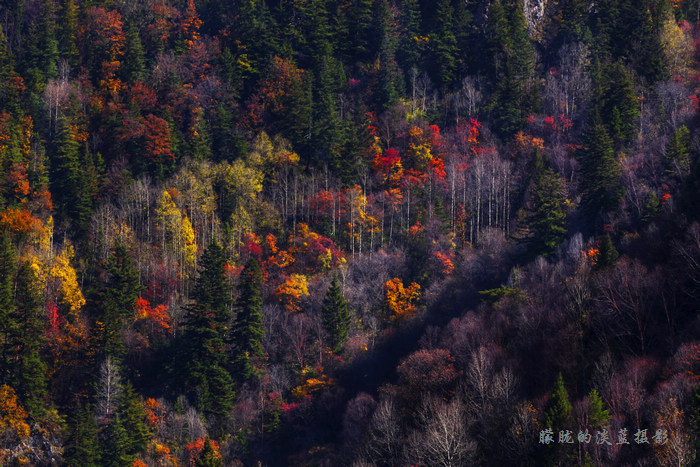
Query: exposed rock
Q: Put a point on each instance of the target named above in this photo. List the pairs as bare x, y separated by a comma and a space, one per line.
534, 14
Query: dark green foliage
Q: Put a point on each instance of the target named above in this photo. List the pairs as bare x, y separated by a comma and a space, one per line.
361, 33
389, 81
69, 33
7, 307
409, 49
574, 16
82, 448
134, 59
600, 169
628, 29
28, 369
598, 416
652, 208
443, 45
70, 184
43, 48
248, 330
678, 151
336, 315
512, 58
256, 28
607, 254
557, 412
548, 218
202, 358
114, 444
297, 118
133, 417
117, 301
512, 292
620, 106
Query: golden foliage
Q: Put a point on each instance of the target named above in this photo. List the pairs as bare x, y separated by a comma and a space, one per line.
401, 300
12, 416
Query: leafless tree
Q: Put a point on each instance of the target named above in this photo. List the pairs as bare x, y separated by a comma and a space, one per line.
441, 438
109, 389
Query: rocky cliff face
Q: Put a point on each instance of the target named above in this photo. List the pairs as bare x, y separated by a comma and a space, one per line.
534, 14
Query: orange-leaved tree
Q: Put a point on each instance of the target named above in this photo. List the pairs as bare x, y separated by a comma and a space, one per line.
400, 300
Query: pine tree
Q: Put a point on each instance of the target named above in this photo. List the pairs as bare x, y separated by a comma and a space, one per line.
444, 44
678, 151
114, 441
388, 80
117, 301
69, 33
601, 173
203, 353
82, 448
28, 369
248, 331
558, 409
360, 20
620, 107
70, 186
598, 416
134, 419
549, 211
409, 49
134, 59
607, 254
512, 56
336, 315
7, 306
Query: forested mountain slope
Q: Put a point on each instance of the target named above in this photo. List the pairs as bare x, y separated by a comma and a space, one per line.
359, 232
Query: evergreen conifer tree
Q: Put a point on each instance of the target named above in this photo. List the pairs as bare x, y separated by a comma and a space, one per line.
134, 60
114, 442
207, 321
602, 189
444, 44
82, 448
549, 212
7, 306
69, 183
558, 409
607, 254
248, 331
678, 151
336, 315
598, 416
118, 299
28, 368
134, 419
409, 49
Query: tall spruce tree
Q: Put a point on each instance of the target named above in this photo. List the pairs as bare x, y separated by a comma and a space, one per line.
70, 185
336, 315
443, 46
81, 447
207, 321
557, 411
600, 169
7, 306
28, 370
248, 330
548, 218
620, 106
117, 301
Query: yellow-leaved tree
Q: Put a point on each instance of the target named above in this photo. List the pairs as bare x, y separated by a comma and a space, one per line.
400, 300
